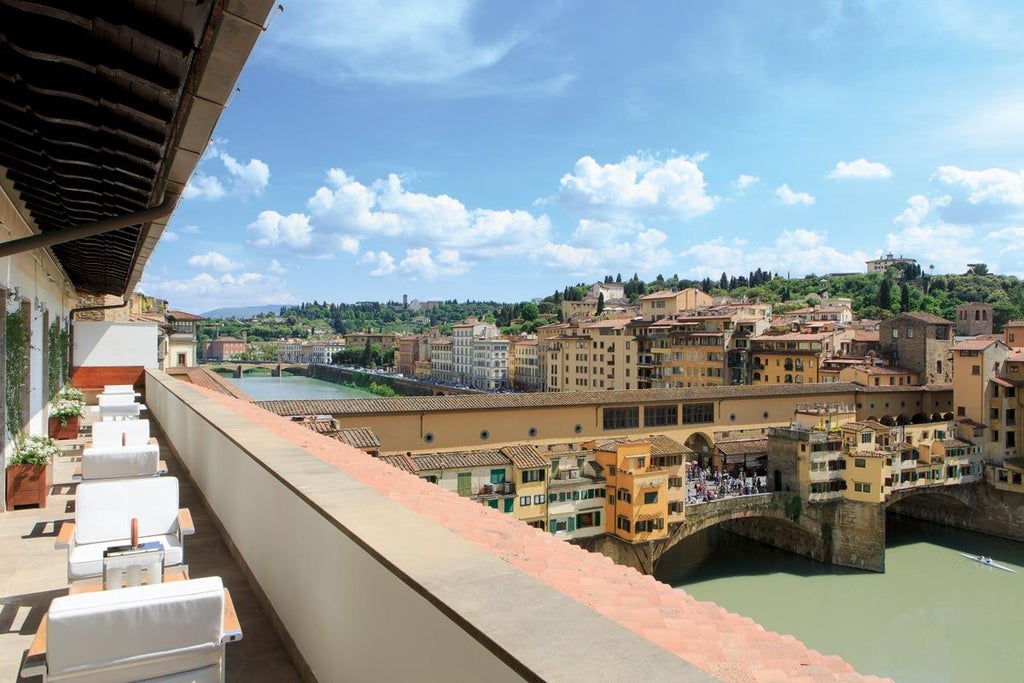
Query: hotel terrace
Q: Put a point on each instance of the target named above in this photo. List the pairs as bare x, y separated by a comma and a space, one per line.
359, 571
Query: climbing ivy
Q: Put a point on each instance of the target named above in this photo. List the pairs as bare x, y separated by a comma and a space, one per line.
17, 331
59, 361
794, 506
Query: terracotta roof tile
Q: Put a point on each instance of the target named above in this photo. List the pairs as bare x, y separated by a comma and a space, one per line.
417, 404
524, 457
359, 437
975, 344
456, 459
743, 446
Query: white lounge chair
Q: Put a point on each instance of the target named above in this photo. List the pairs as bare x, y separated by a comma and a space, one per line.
103, 514
174, 631
120, 389
121, 462
123, 433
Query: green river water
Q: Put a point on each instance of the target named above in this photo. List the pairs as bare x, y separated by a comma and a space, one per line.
933, 616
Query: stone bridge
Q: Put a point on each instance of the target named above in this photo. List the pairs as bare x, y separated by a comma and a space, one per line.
240, 368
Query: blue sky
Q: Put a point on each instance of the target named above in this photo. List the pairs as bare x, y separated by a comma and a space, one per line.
495, 150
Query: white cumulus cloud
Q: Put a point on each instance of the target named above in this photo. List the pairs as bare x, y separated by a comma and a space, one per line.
212, 260
745, 180
923, 235
789, 197
276, 268
272, 229
992, 185
638, 184
202, 186
240, 180
860, 169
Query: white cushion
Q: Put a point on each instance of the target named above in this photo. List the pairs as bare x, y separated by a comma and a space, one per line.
85, 560
138, 633
120, 410
115, 399
119, 389
104, 509
120, 462
107, 434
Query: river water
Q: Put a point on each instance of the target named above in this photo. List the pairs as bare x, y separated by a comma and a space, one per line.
295, 387
933, 616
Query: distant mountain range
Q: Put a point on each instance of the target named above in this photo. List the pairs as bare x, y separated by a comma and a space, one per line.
242, 311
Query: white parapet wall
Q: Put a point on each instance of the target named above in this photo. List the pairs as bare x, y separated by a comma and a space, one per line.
368, 590
112, 344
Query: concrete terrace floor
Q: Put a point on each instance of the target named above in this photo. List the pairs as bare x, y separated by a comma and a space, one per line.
32, 573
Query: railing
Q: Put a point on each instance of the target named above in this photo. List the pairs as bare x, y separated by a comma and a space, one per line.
340, 565
824, 496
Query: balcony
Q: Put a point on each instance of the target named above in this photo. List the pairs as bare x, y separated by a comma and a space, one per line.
824, 496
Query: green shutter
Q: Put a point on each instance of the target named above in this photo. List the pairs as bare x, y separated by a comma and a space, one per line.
465, 483
509, 502
572, 524
497, 476
597, 518
575, 495
493, 503
552, 497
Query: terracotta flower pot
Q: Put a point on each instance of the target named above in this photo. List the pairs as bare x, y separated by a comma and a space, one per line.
68, 431
26, 485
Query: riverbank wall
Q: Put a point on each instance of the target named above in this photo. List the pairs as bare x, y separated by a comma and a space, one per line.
403, 386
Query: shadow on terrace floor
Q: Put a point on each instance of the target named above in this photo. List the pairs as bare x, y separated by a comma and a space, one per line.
32, 573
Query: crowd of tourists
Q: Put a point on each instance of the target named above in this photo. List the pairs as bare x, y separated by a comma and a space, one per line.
705, 484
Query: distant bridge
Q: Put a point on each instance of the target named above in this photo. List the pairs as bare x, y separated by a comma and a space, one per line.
239, 368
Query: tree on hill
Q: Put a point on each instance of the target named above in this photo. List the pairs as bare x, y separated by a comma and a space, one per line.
600, 303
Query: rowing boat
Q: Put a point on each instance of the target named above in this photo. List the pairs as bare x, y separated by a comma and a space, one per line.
988, 562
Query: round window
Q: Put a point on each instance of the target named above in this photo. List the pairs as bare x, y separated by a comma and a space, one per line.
484, 434
765, 414
732, 417
578, 429
429, 437
532, 432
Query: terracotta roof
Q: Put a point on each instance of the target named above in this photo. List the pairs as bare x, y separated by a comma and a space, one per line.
359, 437
865, 335
460, 459
743, 446
864, 424
926, 318
182, 315
975, 344
1002, 382
970, 423
663, 445
663, 294
1016, 356
794, 336
524, 457
417, 404
321, 425
402, 462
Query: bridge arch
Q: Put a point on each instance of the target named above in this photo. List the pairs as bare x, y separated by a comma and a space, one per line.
701, 444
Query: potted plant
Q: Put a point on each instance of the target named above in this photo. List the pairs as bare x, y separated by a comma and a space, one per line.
66, 409
27, 470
